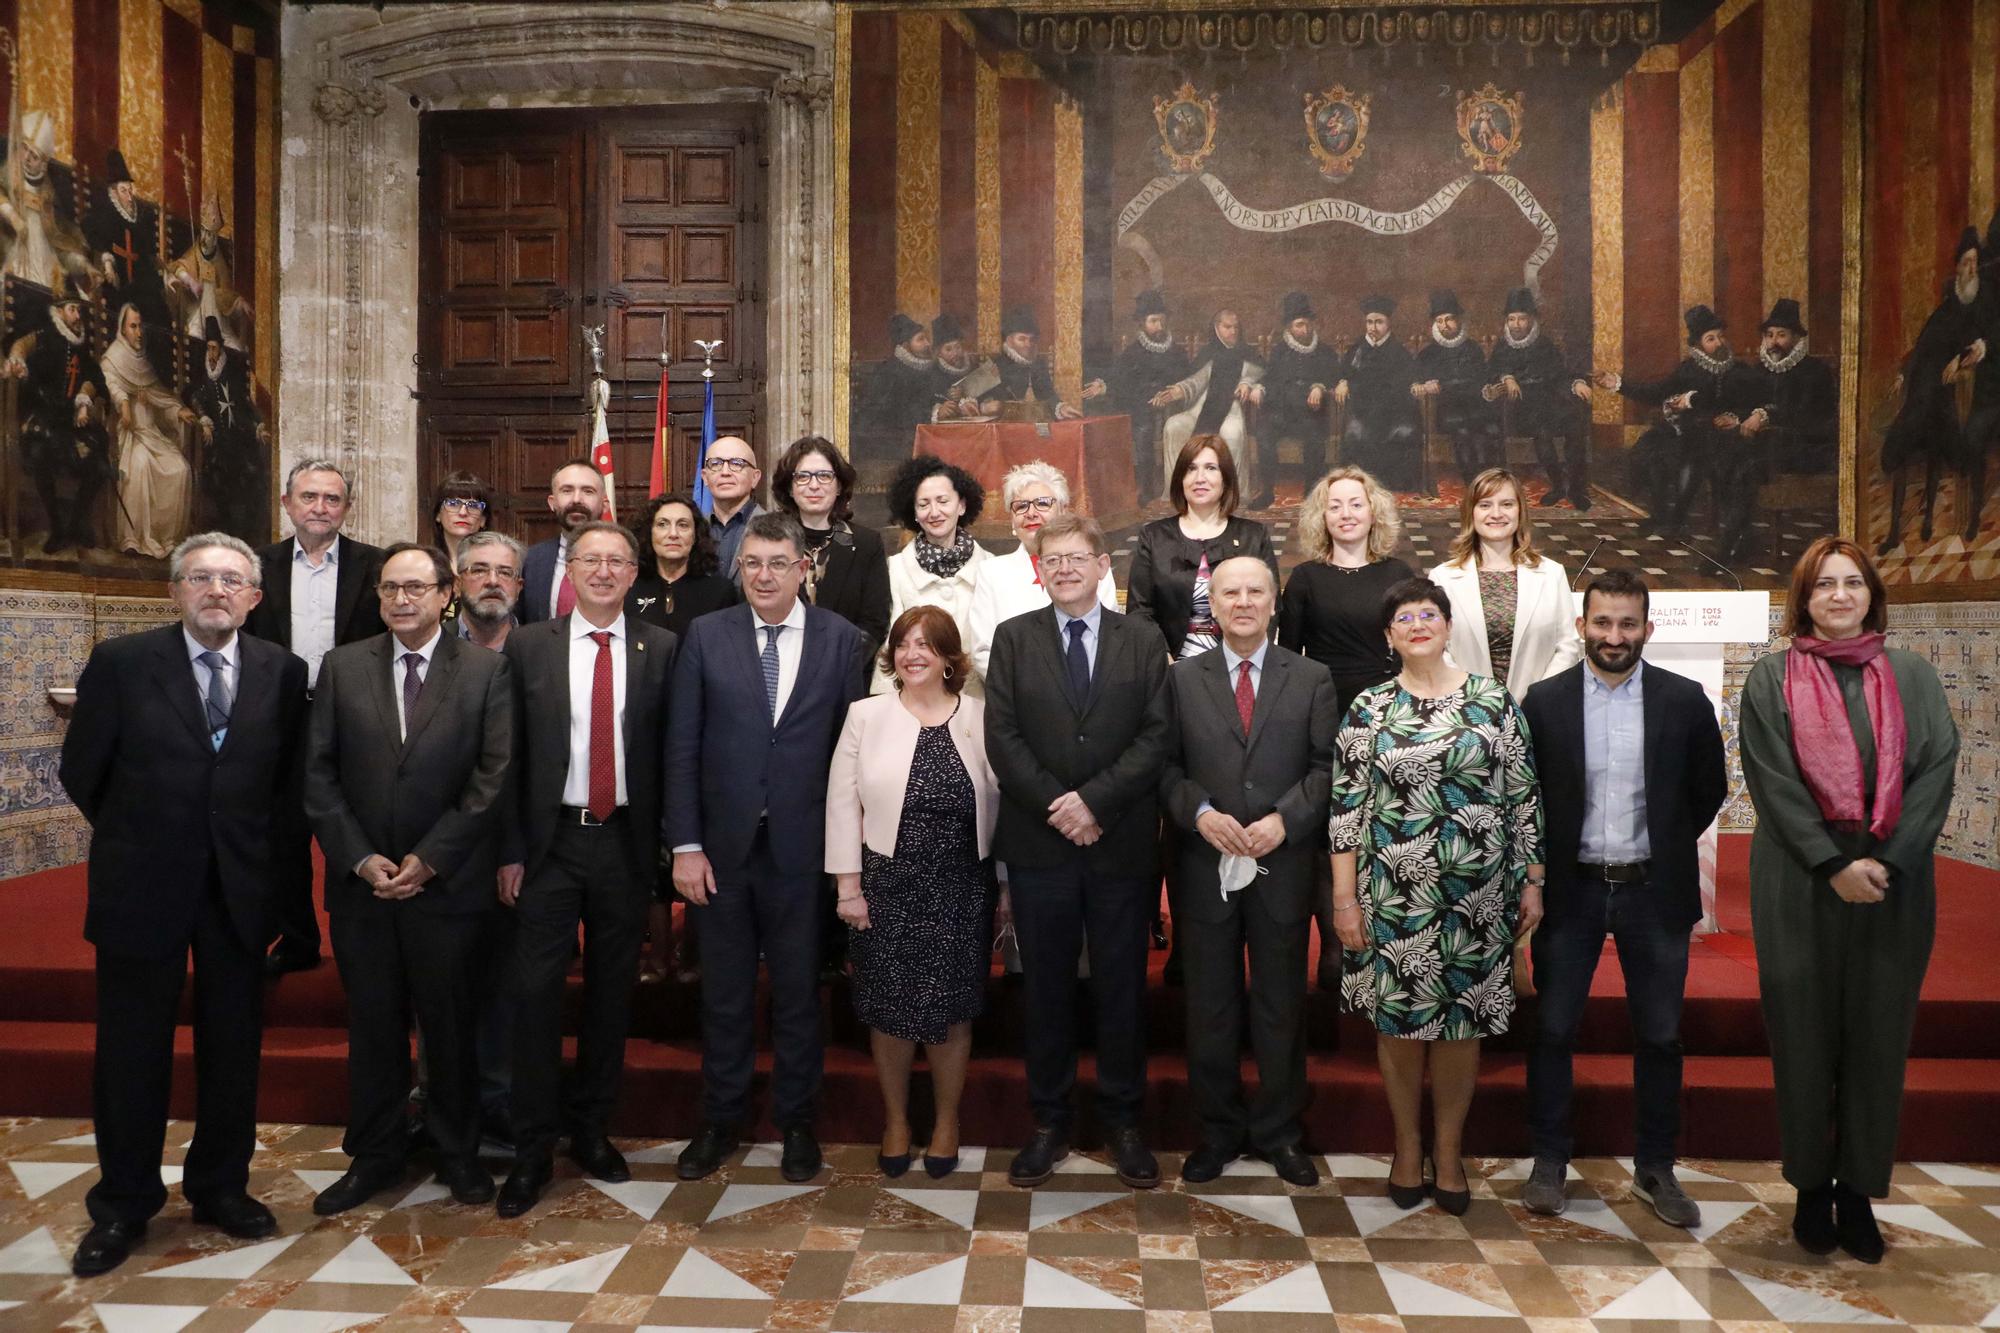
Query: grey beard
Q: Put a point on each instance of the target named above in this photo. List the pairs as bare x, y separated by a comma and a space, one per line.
476, 611
1967, 291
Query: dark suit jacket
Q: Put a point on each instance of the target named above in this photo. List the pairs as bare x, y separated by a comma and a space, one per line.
539, 654
1108, 748
1685, 781
357, 611
1285, 764
734, 764
538, 570
168, 812
438, 793
855, 586
1161, 585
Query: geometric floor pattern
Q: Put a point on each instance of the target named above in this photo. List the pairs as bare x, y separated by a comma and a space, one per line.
848, 1250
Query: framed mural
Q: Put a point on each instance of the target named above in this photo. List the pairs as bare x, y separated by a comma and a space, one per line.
138, 279
1601, 244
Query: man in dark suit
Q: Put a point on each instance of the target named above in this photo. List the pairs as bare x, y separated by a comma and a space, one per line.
576, 497
1249, 755
179, 753
1631, 767
319, 592
590, 710
1077, 745
411, 735
760, 694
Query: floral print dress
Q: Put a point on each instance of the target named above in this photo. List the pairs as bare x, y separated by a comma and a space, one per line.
1437, 798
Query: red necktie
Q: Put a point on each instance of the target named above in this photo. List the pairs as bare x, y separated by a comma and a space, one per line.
1246, 698
603, 743
565, 595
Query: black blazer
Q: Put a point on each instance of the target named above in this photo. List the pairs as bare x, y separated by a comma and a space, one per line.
733, 764
855, 585
1284, 765
168, 812
1161, 585
357, 610
1108, 748
691, 597
438, 793
538, 571
1685, 780
539, 654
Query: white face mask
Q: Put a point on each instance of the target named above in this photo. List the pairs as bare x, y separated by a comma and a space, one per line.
1236, 872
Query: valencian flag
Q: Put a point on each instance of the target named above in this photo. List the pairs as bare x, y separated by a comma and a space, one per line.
656, 478
600, 444
702, 498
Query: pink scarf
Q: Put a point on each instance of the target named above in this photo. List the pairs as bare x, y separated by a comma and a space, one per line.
1823, 739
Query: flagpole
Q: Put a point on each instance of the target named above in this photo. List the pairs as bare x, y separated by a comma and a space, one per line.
702, 496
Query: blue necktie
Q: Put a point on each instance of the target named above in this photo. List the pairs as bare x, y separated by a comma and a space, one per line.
217, 701
771, 668
1079, 663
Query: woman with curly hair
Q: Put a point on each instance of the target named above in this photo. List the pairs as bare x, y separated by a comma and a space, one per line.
680, 582
938, 503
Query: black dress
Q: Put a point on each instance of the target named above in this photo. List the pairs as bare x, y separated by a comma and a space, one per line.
921, 965
675, 605
1334, 616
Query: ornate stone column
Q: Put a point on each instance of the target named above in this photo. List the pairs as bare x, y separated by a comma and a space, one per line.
801, 184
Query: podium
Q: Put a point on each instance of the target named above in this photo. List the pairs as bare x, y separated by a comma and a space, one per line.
1691, 631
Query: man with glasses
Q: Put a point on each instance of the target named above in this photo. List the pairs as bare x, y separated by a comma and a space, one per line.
576, 497
760, 694
180, 754
590, 708
730, 469
319, 592
406, 803
489, 587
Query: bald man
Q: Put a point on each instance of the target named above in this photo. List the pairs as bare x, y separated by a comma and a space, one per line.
731, 471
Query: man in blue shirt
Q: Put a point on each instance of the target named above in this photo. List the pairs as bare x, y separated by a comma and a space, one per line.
1631, 767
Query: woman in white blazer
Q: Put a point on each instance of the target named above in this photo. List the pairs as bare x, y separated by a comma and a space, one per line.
1010, 585
910, 805
938, 503
1512, 614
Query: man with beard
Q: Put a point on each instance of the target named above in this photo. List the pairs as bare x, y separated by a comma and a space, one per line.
1702, 401
1956, 344
903, 392
1631, 766
1378, 382
1796, 429
1527, 371
1214, 396
203, 281
1296, 392
1023, 373
233, 438
124, 236
1451, 373
39, 240
958, 377
1144, 366
576, 497
64, 443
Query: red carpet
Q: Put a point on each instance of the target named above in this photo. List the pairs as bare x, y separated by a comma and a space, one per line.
47, 1001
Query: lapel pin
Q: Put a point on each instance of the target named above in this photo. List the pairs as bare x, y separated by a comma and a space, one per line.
638, 645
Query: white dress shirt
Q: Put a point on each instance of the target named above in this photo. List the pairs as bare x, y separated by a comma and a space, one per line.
791, 648
231, 657
562, 572
582, 676
315, 590
398, 669
1614, 771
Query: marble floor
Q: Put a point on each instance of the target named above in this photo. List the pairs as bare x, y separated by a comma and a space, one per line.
744, 1250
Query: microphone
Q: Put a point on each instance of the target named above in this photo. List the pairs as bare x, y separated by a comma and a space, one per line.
1587, 559
1729, 573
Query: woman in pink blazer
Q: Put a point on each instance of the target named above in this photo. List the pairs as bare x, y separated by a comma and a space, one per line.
910, 804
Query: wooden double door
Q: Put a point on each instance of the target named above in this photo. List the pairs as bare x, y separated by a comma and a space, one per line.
539, 224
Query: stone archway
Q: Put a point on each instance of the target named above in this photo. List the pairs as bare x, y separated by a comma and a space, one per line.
355, 82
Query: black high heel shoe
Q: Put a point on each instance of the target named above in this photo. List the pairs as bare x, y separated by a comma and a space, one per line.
1454, 1202
1407, 1197
937, 1168
892, 1167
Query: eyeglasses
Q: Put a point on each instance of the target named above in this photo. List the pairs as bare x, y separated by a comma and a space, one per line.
484, 571
202, 578
753, 567
593, 563
816, 477
396, 592
461, 505
1062, 562
1044, 503
1409, 618
727, 465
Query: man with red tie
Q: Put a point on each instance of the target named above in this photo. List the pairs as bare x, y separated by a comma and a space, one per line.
590, 709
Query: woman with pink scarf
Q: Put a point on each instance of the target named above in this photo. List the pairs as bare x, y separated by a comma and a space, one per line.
1848, 750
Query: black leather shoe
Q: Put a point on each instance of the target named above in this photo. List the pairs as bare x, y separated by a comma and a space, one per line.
801, 1160
595, 1155
105, 1246
1206, 1162
524, 1186
1037, 1162
467, 1181
708, 1151
1812, 1221
237, 1215
287, 956
1137, 1166
1293, 1166
352, 1190
1855, 1225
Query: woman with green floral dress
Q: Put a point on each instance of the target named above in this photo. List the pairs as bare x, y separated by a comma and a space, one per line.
1437, 849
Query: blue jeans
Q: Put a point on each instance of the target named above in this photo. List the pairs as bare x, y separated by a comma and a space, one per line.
1653, 952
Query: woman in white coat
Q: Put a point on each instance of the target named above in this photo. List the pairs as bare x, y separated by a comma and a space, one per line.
1512, 614
939, 566
1011, 585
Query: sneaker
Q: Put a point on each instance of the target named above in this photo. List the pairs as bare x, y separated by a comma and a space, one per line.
1544, 1191
1657, 1186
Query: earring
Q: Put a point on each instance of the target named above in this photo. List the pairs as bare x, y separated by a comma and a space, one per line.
947, 672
